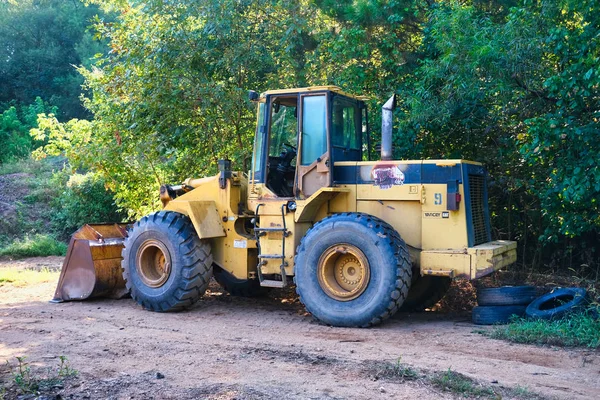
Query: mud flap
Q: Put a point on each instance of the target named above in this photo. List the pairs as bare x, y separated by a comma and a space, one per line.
92, 267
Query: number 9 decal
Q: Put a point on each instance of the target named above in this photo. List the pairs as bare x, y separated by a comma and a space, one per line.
437, 199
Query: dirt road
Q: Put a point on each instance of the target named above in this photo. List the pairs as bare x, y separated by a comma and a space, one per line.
235, 348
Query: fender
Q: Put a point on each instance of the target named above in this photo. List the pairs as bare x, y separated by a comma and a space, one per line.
204, 216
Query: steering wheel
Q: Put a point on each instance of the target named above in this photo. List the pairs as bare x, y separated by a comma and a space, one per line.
286, 157
293, 148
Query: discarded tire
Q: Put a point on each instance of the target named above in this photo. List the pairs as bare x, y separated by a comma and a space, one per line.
506, 296
558, 303
491, 315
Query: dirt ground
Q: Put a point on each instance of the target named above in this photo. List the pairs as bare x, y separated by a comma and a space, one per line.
268, 348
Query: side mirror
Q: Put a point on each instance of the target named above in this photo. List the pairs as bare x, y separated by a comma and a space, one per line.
252, 95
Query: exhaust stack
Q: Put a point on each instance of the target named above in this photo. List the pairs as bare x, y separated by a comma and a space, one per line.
386, 128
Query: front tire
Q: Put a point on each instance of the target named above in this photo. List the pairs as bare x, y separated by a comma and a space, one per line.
352, 270
165, 265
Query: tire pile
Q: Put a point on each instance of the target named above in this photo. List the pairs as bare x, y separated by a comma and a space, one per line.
499, 305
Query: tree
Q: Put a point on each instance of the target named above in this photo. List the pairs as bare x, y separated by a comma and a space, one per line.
42, 42
519, 92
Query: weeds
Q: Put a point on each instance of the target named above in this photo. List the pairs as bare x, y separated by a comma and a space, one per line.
64, 369
521, 392
22, 377
454, 382
573, 330
36, 246
395, 371
27, 383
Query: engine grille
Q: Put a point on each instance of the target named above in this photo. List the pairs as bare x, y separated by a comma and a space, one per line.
476, 191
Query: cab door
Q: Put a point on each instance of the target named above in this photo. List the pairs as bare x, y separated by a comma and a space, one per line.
314, 161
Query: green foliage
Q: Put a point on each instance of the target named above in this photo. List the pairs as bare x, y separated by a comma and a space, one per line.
518, 91
64, 368
41, 41
511, 83
575, 330
34, 246
83, 200
15, 123
22, 377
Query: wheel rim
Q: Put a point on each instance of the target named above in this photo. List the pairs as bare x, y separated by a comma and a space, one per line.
343, 272
153, 263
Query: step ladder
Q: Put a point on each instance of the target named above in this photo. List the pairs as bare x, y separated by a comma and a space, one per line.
262, 258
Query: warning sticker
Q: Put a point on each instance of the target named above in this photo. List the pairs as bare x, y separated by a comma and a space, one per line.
240, 244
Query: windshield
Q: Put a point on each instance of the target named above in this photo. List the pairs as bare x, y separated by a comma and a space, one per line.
284, 125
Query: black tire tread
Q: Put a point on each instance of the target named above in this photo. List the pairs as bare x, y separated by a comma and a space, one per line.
579, 299
197, 266
492, 315
403, 264
506, 296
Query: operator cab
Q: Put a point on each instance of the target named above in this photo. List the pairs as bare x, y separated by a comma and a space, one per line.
301, 133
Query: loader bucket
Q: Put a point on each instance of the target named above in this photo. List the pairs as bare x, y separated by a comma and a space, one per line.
92, 267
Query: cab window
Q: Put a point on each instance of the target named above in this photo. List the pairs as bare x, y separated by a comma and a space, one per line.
346, 130
283, 139
314, 128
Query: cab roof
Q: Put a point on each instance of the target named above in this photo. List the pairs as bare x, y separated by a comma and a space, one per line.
334, 89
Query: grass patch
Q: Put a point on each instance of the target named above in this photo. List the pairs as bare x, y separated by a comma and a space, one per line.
454, 382
449, 381
25, 277
34, 246
522, 392
574, 330
397, 371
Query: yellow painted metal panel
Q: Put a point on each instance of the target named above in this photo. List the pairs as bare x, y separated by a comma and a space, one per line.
471, 263
442, 229
343, 202
489, 257
334, 89
446, 263
306, 210
403, 216
396, 192
206, 220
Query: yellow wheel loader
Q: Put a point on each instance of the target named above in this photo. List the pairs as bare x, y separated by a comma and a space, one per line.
359, 238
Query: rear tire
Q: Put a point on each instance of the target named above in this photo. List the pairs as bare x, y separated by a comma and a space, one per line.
238, 287
165, 265
352, 270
